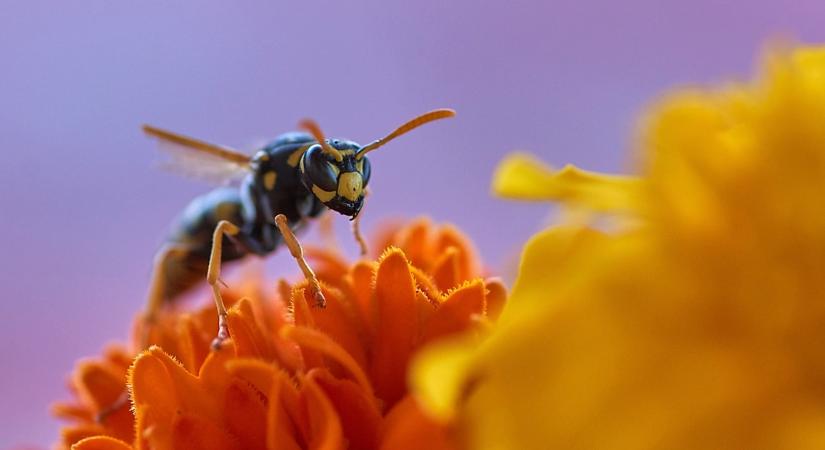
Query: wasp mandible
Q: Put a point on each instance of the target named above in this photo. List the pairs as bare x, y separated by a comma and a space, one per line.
294, 178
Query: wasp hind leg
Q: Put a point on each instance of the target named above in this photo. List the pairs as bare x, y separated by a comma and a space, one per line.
158, 289
154, 303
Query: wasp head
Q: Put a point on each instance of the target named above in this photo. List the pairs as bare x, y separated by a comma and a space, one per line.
337, 171
337, 183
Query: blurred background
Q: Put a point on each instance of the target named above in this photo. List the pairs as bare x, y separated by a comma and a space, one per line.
84, 206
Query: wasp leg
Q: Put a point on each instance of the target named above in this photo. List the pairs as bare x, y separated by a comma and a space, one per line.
154, 303
298, 253
157, 289
356, 228
213, 278
359, 238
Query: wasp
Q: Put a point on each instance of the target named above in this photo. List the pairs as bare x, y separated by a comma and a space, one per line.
291, 180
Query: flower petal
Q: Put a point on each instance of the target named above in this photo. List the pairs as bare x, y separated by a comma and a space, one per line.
522, 176
446, 271
395, 302
324, 426
449, 237
246, 334
456, 311
357, 409
99, 384
73, 434
439, 375
414, 240
408, 428
316, 340
496, 297
362, 275
196, 432
245, 414
280, 430
101, 443
340, 322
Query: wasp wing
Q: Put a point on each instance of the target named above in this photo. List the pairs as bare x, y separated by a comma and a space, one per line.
198, 159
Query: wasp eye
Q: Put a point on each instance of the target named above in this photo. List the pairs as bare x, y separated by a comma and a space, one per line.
366, 170
320, 170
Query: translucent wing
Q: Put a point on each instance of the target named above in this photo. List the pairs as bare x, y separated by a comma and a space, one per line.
198, 159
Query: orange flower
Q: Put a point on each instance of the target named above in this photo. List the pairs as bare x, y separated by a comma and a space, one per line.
295, 376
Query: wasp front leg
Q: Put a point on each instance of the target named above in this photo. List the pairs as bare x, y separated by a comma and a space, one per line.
213, 275
298, 253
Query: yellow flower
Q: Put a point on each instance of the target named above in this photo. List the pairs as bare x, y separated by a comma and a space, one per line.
697, 320
295, 376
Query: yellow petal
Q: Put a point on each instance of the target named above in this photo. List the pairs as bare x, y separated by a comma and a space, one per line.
522, 176
439, 374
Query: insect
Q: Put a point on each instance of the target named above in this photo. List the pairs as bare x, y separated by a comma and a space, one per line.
295, 178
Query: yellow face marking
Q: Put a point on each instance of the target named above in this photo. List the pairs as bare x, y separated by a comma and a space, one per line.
269, 180
360, 165
295, 157
350, 185
322, 195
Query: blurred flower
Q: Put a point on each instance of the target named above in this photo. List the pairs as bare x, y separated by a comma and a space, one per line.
295, 376
694, 317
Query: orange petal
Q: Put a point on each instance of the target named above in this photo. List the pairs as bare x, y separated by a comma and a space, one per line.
303, 317
280, 431
162, 383
70, 411
496, 297
324, 425
284, 291
360, 418
449, 236
213, 377
446, 270
396, 331
407, 428
362, 275
339, 321
329, 266
425, 284
99, 384
194, 346
246, 334
76, 433
119, 356
426, 308
385, 236
101, 443
245, 414
254, 371
414, 240
456, 312
195, 432
316, 340
151, 384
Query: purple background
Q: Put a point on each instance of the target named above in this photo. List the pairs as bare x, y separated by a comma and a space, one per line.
84, 207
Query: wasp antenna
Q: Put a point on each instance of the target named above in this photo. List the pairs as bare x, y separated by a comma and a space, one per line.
313, 128
410, 125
